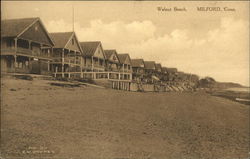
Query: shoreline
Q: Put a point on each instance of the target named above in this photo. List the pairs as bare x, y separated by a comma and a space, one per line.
94, 122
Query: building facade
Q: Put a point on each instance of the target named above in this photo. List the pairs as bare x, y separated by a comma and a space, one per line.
67, 57
138, 69
22, 43
125, 68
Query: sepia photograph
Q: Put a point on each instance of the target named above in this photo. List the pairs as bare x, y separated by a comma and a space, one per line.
125, 80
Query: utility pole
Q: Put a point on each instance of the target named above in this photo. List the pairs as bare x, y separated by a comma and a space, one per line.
73, 18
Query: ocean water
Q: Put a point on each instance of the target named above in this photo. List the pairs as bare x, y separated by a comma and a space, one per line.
244, 89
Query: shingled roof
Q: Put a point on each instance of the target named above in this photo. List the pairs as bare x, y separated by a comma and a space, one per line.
61, 38
149, 65
158, 66
164, 69
137, 63
89, 47
169, 70
122, 58
109, 53
16, 27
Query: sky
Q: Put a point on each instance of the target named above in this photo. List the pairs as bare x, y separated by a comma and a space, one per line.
206, 43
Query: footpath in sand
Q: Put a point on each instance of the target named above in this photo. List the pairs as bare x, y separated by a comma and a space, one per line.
40, 120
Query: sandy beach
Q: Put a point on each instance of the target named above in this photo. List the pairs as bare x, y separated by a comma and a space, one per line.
40, 120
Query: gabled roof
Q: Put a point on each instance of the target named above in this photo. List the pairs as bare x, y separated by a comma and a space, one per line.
168, 70
109, 53
16, 27
172, 70
149, 65
137, 63
61, 38
158, 66
122, 58
164, 69
89, 47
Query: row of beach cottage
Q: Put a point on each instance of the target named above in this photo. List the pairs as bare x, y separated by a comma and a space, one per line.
27, 48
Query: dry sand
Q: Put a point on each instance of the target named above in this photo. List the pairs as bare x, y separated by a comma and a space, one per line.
39, 120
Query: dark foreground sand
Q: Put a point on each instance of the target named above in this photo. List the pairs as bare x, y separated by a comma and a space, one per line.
39, 120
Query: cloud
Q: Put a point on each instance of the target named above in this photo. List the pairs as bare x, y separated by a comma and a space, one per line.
221, 53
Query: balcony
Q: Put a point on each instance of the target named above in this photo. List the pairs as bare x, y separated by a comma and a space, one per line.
95, 66
24, 52
67, 61
126, 70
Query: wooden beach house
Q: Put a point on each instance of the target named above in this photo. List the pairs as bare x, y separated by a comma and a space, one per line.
22, 43
150, 68
150, 71
158, 70
112, 63
172, 75
93, 56
67, 55
125, 68
194, 78
138, 69
164, 71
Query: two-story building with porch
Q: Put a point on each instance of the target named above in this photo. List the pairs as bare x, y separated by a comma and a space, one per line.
158, 70
138, 69
112, 64
150, 68
67, 58
125, 68
94, 57
171, 75
22, 43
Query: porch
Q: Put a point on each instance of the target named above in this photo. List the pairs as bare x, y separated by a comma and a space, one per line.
96, 75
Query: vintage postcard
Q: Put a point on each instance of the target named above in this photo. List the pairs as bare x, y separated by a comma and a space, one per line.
125, 80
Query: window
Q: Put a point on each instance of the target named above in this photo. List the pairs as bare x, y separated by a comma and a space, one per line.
73, 41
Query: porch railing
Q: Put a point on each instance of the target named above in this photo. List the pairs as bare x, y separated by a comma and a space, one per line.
24, 51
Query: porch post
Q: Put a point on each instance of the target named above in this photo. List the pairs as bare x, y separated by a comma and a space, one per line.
41, 53
29, 45
63, 63
75, 61
81, 67
123, 71
48, 52
92, 64
15, 56
48, 66
92, 67
29, 64
98, 63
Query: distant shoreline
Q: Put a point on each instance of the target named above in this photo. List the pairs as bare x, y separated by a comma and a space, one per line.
238, 94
